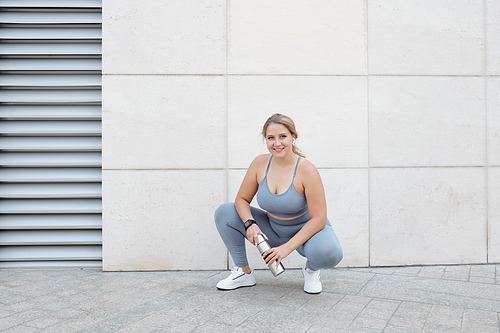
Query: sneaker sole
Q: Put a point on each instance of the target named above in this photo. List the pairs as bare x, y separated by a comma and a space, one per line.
313, 292
250, 285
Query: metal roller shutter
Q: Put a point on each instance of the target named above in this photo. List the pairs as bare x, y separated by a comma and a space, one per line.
50, 133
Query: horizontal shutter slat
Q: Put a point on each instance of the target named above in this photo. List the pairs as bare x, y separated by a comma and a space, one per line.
52, 3
58, 190
50, 206
53, 112
50, 125
50, 237
30, 253
41, 175
90, 34
51, 159
62, 96
48, 222
40, 127
50, 49
49, 17
49, 81
50, 144
50, 64
46, 264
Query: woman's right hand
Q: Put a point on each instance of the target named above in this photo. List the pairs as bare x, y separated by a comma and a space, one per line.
252, 234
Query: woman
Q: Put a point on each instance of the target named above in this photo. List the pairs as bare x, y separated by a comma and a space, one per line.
291, 194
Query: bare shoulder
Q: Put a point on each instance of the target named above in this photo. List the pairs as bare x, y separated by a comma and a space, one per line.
260, 160
307, 176
307, 168
258, 167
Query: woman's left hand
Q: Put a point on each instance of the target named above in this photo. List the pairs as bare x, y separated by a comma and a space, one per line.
276, 254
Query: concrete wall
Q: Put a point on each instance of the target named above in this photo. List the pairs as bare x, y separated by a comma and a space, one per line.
396, 102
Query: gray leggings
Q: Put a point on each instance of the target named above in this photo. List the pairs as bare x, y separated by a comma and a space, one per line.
322, 250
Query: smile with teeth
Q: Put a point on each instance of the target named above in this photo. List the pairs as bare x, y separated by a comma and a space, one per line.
279, 149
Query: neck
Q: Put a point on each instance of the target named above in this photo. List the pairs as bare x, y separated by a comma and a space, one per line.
290, 158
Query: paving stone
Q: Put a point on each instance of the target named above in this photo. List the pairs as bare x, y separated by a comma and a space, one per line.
401, 318
481, 279
333, 322
137, 327
456, 277
67, 313
432, 272
460, 273
31, 314
71, 325
10, 321
43, 322
298, 321
5, 312
471, 328
408, 271
440, 328
9, 298
324, 301
376, 313
343, 282
369, 322
383, 305
398, 329
360, 329
384, 270
439, 314
413, 307
357, 299
21, 329
489, 318
211, 326
357, 269
483, 268
415, 322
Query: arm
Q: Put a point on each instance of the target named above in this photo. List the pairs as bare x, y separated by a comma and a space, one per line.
316, 201
247, 191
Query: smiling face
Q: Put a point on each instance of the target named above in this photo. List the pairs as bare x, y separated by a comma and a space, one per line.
279, 140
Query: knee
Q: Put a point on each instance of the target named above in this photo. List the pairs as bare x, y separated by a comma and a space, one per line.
333, 257
223, 212
327, 257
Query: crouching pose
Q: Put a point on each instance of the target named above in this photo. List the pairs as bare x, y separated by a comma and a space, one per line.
293, 215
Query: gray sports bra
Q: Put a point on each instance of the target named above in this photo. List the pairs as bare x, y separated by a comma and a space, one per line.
284, 205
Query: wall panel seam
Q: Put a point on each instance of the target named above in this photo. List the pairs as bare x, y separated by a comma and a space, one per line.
485, 59
227, 4
368, 128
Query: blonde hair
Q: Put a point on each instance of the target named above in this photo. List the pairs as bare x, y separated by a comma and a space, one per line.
286, 121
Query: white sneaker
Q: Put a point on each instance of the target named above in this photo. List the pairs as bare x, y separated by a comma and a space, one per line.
312, 284
237, 279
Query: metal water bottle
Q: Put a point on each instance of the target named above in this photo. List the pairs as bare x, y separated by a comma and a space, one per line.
263, 246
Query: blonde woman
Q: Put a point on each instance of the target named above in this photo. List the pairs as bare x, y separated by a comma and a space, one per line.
293, 216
